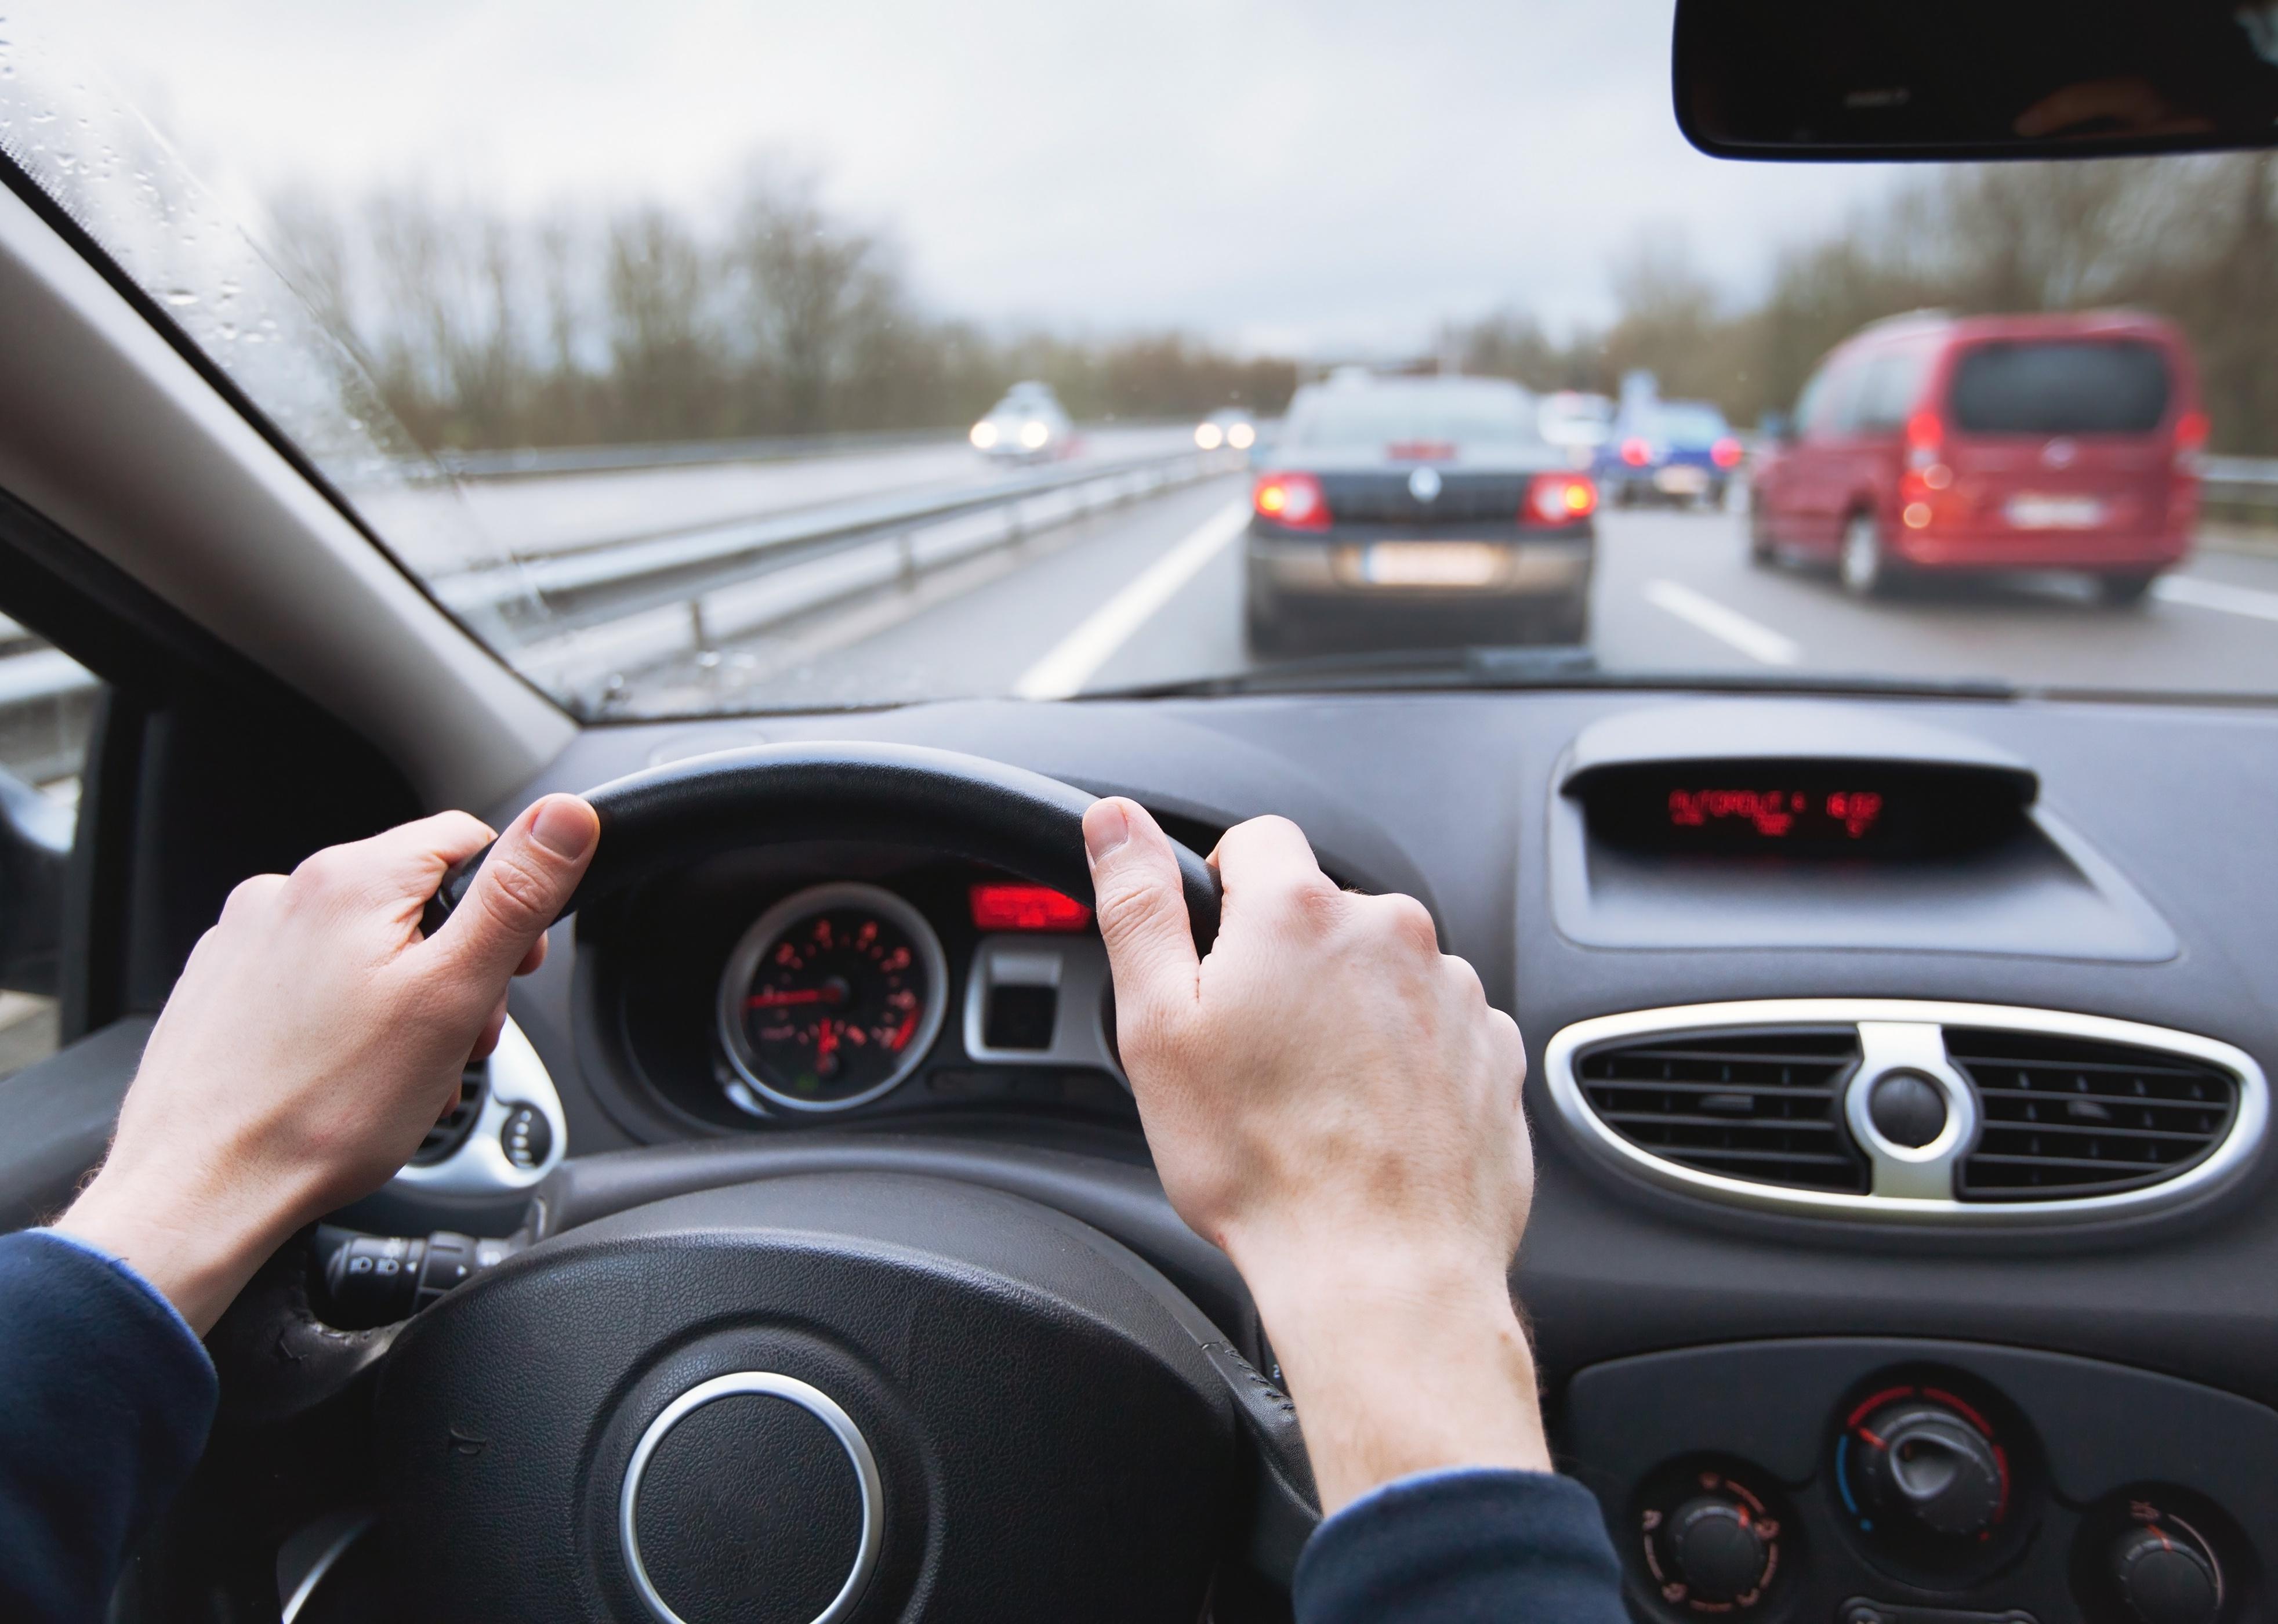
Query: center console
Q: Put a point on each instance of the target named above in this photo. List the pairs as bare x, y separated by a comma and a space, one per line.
1860, 1480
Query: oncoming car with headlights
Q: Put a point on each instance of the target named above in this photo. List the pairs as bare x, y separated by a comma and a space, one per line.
1419, 509
1234, 429
1028, 425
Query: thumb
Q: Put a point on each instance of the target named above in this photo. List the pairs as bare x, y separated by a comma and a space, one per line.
1142, 909
521, 888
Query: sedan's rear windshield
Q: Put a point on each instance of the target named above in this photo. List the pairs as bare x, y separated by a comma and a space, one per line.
1371, 418
2060, 386
1693, 427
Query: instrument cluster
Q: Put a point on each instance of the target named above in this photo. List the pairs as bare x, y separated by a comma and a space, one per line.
755, 998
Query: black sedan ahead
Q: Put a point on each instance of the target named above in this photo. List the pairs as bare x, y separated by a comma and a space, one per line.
1418, 511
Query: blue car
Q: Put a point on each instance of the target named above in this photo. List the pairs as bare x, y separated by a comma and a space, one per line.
1668, 451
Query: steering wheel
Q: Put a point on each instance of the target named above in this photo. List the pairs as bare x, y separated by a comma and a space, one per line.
908, 1388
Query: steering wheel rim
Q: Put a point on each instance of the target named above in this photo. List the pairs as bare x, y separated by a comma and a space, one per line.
965, 806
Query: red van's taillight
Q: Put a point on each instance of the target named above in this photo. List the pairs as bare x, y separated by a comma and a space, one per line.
2192, 431
1558, 499
1925, 438
1293, 500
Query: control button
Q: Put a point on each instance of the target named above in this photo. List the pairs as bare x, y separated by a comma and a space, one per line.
1711, 1545
2163, 1579
1716, 1546
526, 1137
1923, 1462
1908, 1109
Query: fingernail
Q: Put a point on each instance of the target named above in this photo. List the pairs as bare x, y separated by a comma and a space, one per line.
565, 826
1106, 829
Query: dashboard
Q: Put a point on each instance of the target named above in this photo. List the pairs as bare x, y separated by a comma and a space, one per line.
1903, 1247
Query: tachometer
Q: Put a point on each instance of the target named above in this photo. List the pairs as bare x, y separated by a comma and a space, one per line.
831, 997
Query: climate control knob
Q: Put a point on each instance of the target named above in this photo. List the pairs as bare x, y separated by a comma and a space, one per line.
1716, 1548
1712, 1542
2165, 1579
1926, 1463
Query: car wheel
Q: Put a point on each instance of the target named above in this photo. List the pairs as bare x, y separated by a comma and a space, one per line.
1864, 565
2126, 588
1569, 622
1263, 631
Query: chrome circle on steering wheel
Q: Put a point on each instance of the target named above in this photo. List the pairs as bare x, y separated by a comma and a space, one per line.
831, 998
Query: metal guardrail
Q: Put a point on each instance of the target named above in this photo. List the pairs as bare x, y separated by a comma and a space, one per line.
624, 605
545, 461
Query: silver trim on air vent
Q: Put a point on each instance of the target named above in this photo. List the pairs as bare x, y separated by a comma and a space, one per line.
1902, 1034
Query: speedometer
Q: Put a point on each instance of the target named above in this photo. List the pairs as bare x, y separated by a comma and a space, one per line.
831, 997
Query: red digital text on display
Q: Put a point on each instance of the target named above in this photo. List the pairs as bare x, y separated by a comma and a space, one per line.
1776, 814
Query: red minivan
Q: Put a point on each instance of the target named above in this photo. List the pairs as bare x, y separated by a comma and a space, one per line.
1937, 442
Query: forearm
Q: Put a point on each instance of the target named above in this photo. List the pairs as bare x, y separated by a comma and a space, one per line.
1398, 1364
197, 1240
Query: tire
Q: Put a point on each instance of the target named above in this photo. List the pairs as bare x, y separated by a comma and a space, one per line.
1863, 563
1263, 630
2126, 588
1567, 624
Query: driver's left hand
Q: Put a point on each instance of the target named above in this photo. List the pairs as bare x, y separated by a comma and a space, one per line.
314, 1038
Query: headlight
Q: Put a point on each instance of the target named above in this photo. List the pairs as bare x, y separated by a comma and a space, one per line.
1208, 437
1034, 434
984, 435
1241, 437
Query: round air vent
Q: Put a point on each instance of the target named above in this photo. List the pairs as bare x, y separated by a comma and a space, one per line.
1909, 1112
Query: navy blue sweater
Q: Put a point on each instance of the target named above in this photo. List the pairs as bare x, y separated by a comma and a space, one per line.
105, 1397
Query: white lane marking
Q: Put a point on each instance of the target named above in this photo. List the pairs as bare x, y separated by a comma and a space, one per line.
1758, 642
2213, 595
1076, 657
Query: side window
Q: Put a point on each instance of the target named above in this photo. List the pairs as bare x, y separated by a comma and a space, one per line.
1888, 388
1826, 407
48, 704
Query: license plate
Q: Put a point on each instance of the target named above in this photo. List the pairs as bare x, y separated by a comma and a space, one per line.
2054, 512
1682, 481
1431, 564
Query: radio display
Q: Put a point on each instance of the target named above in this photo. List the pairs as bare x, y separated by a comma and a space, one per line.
1818, 809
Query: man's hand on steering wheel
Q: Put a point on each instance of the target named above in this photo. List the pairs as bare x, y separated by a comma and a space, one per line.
1332, 1101
314, 1038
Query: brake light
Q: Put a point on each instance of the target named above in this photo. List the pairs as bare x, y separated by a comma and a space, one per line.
1725, 453
2190, 430
1559, 498
1291, 500
1636, 453
1011, 906
1924, 435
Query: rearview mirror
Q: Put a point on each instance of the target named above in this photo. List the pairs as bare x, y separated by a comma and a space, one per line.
1963, 79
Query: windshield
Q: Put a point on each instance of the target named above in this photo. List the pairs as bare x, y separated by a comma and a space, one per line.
1363, 418
1691, 426
702, 357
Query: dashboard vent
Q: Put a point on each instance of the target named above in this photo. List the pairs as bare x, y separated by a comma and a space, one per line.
2069, 1116
1762, 1105
447, 1134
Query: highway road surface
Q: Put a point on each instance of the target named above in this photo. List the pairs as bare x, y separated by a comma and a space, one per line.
1152, 593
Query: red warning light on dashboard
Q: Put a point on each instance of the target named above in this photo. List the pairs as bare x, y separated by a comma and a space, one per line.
1776, 814
1009, 906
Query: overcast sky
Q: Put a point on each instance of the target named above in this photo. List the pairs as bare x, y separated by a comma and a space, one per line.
1315, 175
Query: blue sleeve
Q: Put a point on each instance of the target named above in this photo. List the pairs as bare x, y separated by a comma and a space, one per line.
1463, 1547
105, 1397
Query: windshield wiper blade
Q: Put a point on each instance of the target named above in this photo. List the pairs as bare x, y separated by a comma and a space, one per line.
1520, 666
1486, 667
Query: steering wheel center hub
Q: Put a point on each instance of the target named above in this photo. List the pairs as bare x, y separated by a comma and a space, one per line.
753, 1495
